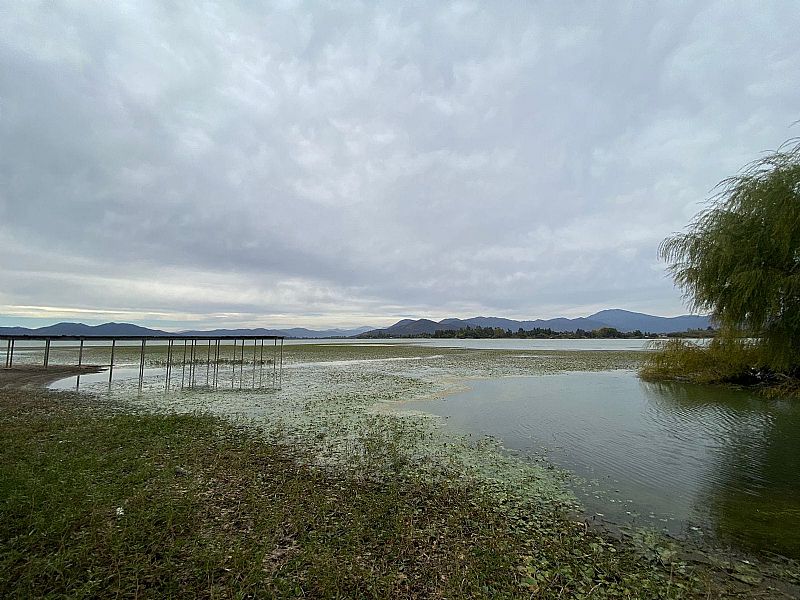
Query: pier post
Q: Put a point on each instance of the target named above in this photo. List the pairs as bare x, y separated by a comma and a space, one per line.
261, 366
183, 367
141, 364
46, 352
111, 364
192, 363
8, 353
216, 363
274, 364
255, 346
208, 361
80, 362
233, 377
280, 380
169, 362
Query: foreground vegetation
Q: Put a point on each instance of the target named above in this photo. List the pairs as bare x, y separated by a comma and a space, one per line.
99, 502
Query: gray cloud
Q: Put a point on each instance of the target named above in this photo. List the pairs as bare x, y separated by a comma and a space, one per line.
340, 164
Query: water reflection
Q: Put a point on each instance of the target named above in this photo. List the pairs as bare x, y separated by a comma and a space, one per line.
671, 456
753, 498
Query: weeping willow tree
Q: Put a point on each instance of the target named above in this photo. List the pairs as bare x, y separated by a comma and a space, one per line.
740, 258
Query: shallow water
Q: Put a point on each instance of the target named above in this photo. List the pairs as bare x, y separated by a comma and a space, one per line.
682, 458
491, 344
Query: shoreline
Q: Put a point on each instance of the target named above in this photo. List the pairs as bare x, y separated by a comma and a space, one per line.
30, 377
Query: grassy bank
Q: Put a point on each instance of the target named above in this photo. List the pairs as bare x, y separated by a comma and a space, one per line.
96, 502
722, 361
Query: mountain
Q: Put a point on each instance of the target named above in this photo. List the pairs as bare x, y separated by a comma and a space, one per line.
111, 329
622, 320
82, 329
625, 320
295, 332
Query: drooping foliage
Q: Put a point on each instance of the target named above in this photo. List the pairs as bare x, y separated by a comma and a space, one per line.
740, 258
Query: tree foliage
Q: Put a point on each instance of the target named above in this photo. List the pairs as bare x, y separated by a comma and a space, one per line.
740, 258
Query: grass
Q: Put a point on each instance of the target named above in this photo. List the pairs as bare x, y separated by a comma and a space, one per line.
722, 361
95, 502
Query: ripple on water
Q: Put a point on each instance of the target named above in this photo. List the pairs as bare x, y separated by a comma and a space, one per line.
685, 454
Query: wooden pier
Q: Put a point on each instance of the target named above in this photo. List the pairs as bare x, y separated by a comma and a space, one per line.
191, 348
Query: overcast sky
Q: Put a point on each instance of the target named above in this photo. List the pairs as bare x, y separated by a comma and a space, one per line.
345, 163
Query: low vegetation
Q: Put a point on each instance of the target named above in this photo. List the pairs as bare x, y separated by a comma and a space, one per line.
739, 259
97, 501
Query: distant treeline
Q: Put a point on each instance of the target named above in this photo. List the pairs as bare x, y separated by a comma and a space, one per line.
605, 333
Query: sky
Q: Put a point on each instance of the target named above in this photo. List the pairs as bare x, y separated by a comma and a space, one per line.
336, 164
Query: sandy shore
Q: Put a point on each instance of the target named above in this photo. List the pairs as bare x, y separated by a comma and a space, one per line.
28, 377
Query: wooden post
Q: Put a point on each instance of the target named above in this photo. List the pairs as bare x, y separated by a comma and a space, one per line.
8, 352
46, 352
11, 356
111, 364
280, 376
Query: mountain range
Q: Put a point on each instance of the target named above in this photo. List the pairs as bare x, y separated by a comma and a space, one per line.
130, 329
621, 320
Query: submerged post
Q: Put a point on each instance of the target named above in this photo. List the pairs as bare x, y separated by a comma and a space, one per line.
80, 355
111, 364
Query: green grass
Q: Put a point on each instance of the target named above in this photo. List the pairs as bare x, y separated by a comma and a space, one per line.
722, 361
95, 501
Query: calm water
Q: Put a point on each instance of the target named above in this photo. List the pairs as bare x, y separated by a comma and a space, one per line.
683, 458
498, 344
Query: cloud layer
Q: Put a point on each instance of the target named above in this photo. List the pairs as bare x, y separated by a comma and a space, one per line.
350, 163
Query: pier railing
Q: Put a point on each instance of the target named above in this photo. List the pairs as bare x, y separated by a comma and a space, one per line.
193, 347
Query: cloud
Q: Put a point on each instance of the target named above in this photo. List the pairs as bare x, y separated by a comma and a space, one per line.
350, 163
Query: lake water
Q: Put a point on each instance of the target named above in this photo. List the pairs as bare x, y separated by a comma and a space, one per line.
682, 458
494, 344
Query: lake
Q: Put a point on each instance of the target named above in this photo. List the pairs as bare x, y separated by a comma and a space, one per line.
681, 458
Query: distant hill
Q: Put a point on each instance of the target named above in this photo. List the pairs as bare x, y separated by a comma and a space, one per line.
621, 320
625, 320
295, 332
130, 329
82, 329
